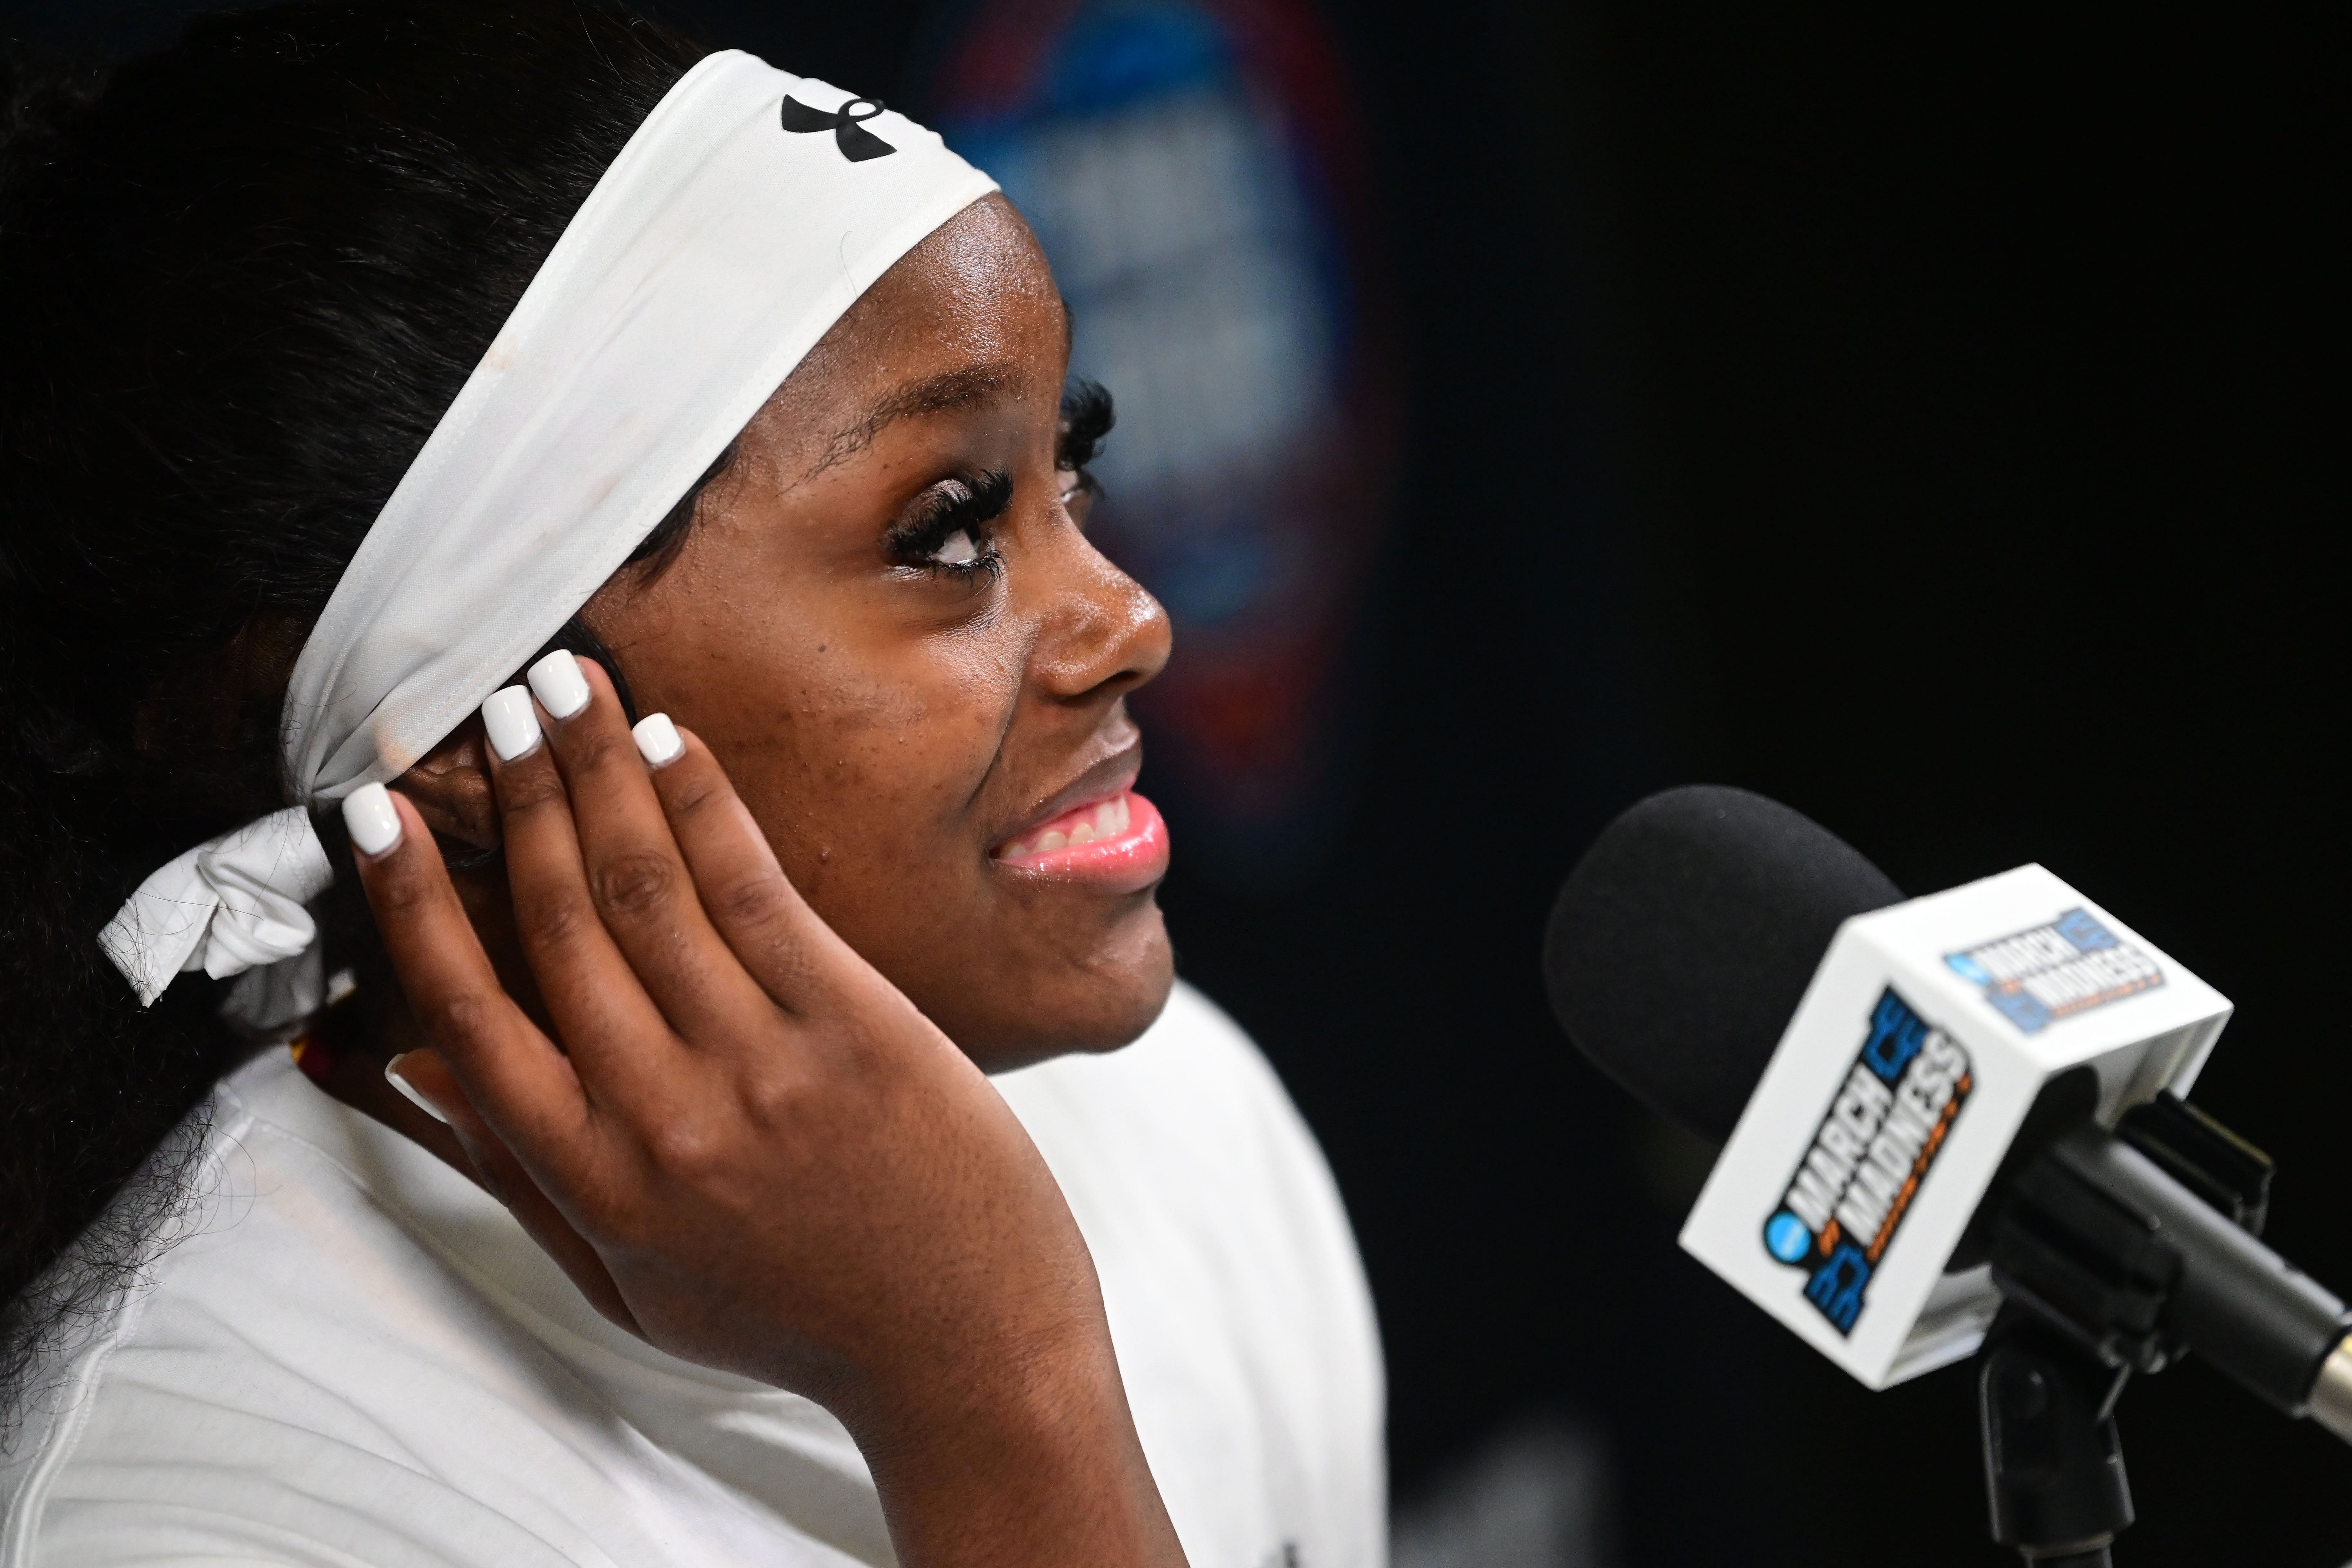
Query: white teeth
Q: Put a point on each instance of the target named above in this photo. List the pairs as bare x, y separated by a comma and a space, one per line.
1110, 819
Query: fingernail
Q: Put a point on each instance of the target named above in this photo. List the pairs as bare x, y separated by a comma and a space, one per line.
512, 723
562, 690
369, 818
657, 740
392, 1076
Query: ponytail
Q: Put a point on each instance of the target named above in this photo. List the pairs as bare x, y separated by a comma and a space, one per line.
239, 281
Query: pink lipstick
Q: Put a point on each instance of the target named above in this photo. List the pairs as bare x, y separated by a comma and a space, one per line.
1119, 841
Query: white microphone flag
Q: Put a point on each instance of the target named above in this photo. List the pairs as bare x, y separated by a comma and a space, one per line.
1927, 1034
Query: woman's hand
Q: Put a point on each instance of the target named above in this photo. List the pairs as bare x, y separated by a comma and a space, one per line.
745, 1144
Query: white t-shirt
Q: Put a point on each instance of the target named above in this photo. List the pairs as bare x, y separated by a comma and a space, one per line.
354, 1356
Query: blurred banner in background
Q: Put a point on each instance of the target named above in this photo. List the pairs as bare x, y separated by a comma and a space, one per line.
1194, 170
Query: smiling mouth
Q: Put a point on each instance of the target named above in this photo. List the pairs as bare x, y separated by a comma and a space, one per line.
1118, 839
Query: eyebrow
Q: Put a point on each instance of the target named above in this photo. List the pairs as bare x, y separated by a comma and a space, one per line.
940, 393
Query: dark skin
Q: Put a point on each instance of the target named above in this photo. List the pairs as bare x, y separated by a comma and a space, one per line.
716, 1031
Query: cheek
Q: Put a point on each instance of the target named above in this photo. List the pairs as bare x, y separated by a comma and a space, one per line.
863, 765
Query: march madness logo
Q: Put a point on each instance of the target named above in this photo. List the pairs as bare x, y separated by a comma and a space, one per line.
1868, 1157
2055, 971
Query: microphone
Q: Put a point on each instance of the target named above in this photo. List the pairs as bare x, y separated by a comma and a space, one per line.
1929, 1106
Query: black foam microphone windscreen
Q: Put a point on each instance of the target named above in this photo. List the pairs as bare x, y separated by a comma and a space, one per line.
1686, 937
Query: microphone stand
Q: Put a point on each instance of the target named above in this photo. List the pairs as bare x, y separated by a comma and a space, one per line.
2092, 1251
2053, 1466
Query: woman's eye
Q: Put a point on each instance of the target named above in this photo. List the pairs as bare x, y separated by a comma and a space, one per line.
948, 530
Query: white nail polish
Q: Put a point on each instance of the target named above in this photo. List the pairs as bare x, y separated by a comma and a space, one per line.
369, 818
410, 1090
657, 740
512, 723
562, 690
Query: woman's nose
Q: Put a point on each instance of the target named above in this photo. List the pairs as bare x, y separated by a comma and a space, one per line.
1103, 634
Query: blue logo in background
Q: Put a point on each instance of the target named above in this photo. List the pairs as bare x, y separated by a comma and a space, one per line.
1896, 1033
1836, 1286
2086, 934
2036, 976
1787, 1238
1870, 1153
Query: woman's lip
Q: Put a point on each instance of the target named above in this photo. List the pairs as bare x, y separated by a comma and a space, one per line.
1109, 778
1120, 842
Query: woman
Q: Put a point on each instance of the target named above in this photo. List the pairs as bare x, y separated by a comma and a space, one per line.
703, 426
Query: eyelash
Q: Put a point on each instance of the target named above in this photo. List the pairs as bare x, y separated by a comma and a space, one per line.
1087, 416
969, 504
960, 505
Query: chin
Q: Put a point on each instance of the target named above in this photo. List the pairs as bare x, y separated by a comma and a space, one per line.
1098, 1008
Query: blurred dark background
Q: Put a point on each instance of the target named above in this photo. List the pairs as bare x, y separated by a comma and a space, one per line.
1934, 419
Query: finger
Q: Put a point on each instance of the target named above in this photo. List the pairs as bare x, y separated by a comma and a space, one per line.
523, 1082
618, 1040
772, 930
505, 1178
635, 873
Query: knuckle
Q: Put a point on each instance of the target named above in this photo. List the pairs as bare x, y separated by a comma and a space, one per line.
682, 1148
399, 898
551, 922
751, 902
779, 1102
597, 749
636, 883
457, 1016
696, 792
530, 790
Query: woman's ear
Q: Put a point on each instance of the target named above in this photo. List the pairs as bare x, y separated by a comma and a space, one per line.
225, 700
451, 789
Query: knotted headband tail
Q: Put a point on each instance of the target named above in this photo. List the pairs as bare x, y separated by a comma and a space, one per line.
228, 904
722, 243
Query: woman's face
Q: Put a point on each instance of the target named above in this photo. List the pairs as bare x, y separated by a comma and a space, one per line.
888, 626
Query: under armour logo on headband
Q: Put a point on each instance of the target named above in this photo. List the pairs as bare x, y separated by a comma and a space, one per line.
856, 142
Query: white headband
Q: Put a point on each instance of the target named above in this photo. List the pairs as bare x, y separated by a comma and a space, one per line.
745, 216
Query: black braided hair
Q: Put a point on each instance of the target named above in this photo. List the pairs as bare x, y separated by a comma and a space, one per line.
239, 281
